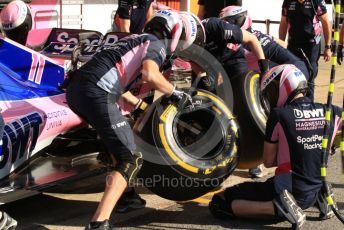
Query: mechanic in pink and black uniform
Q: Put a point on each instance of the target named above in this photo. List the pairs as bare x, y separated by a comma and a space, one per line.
97, 85
292, 143
131, 15
218, 36
301, 20
272, 50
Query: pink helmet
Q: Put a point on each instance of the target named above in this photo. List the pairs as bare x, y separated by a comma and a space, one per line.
16, 21
168, 24
236, 15
281, 84
193, 30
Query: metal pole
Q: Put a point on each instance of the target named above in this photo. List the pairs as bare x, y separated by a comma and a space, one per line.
325, 141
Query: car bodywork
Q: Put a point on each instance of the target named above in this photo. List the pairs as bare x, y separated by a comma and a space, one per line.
35, 113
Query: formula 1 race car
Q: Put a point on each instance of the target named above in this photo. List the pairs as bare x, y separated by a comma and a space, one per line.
187, 151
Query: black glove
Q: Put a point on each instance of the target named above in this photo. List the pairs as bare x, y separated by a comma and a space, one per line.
263, 66
140, 108
340, 54
180, 98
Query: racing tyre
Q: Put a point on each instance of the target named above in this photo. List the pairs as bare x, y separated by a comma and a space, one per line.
187, 151
252, 119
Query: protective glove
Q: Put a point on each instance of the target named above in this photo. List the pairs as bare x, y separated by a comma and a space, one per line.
263, 66
340, 54
180, 98
140, 108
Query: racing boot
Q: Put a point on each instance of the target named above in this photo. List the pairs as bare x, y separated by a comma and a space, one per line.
325, 209
219, 208
7, 222
129, 201
287, 208
99, 225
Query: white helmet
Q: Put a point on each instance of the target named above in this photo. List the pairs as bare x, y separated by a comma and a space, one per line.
193, 30
236, 15
16, 21
282, 83
169, 24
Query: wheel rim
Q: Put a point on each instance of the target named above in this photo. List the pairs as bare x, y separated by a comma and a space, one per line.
191, 130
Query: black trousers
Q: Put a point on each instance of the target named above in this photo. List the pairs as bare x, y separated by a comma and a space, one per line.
312, 51
98, 108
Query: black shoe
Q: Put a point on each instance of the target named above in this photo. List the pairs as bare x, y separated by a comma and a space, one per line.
7, 222
99, 225
129, 201
287, 208
325, 209
256, 172
219, 208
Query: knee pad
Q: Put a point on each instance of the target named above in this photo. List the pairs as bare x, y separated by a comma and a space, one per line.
129, 166
220, 208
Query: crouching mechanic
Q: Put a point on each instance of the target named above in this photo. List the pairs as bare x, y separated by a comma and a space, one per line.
223, 40
218, 35
293, 144
97, 85
273, 50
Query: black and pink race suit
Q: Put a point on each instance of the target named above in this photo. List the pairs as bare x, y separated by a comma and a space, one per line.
298, 129
98, 84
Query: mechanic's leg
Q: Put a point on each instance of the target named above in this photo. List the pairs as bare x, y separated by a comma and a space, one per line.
118, 137
227, 204
115, 186
253, 209
283, 206
98, 108
312, 52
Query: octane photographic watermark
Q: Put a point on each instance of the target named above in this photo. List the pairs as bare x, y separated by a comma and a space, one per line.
188, 136
163, 181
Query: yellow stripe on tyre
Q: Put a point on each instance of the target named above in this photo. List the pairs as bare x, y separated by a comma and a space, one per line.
173, 155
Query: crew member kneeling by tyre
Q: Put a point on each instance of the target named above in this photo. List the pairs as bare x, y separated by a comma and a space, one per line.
96, 86
293, 144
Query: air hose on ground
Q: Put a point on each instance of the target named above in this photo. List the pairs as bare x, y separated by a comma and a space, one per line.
325, 141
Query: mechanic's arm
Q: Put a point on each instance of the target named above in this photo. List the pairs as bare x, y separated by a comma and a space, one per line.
129, 98
124, 13
271, 140
341, 35
253, 44
327, 35
340, 46
283, 28
270, 154
124, 25
151, 74
280, 42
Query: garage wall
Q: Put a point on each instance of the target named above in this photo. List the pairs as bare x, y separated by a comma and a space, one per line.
171, 3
